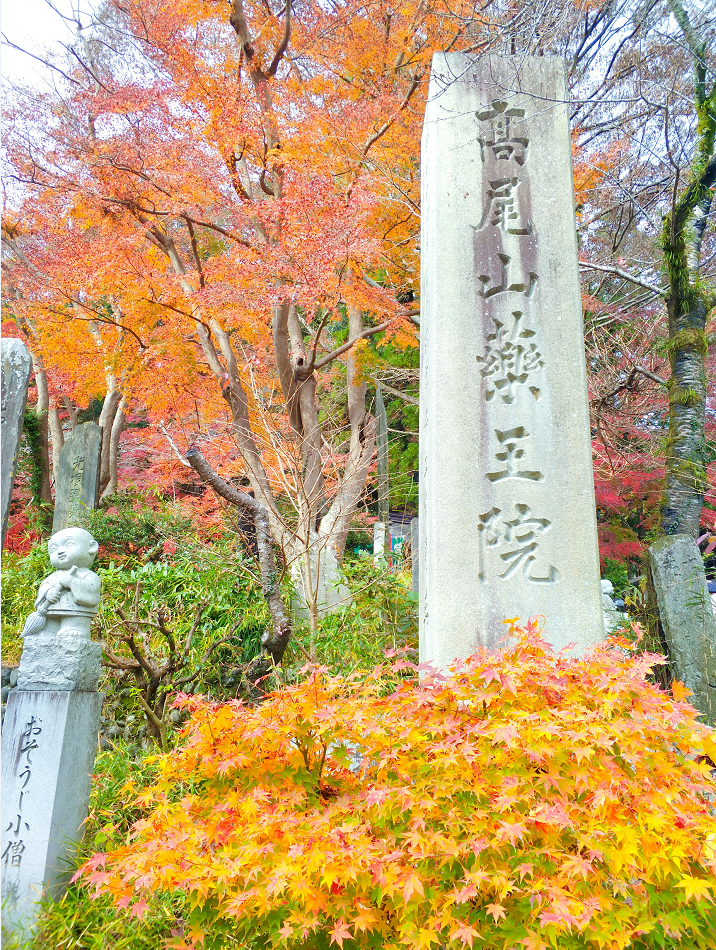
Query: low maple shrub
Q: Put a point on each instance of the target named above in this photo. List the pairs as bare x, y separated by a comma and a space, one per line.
530, 800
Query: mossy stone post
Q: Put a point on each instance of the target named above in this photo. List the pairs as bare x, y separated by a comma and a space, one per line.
507, 513
16, 369
77, 489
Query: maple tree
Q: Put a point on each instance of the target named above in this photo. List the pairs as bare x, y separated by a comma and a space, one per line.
526, 800
213, 213
229, 195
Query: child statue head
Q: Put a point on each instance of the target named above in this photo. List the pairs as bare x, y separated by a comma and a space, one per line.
72, 547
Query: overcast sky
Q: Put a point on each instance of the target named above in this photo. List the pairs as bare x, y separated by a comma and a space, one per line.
34, 25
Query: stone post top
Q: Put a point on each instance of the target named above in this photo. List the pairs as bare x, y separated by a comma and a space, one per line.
662, 544
12, 347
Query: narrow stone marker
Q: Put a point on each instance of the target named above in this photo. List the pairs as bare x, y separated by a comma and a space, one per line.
507, 513
687, 619
415, 552
16, 369
381, 528
49, 734
77, 489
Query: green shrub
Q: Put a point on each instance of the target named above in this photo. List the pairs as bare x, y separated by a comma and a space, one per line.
383, 615
21, 576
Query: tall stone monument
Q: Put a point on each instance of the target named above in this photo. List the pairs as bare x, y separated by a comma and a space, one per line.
16, 369
77, 488
49, 734
507, 514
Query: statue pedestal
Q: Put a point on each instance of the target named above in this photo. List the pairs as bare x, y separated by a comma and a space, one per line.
64, 660
49, 738
49, 735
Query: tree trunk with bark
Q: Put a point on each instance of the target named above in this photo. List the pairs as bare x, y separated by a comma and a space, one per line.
688, 306
275, 640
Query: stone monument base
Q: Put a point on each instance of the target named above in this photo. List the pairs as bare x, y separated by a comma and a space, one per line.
49, 740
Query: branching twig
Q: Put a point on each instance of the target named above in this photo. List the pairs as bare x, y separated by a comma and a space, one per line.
618, 272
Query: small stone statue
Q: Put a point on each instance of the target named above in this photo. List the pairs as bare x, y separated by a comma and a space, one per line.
612, 617
57, 651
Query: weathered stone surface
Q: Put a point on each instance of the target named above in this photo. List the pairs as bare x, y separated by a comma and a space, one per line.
77, 488
57, 650
65, 660
16, 369
687, 620
325, 582
415, 552
507, 512
48, 747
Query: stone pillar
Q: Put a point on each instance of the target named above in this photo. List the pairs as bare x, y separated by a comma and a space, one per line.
381, 541
16, 369
686, 616
49, 734
77, 488
507, 512
48, 747
381, 442
415, 552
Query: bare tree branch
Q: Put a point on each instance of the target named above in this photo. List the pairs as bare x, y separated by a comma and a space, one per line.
347, 346
618, 272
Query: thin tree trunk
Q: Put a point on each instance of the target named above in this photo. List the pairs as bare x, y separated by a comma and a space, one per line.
57, 437
106, 420
273, 641
363, 432
71, 411
41, 408
113, 464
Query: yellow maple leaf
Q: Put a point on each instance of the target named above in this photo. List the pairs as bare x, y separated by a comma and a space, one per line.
695, 887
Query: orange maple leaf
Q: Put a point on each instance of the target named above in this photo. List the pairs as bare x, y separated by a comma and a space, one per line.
497, 911
465, 934
679, 691
340, 933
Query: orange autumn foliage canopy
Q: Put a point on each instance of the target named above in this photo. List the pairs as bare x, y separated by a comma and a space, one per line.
530, 800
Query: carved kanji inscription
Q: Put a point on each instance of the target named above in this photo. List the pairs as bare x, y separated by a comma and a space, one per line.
510, 455
502, 209
510, 360
516, 544
507, 281
498, 132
